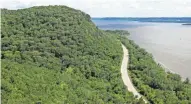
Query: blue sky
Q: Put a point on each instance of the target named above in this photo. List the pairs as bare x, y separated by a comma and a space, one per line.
114, 8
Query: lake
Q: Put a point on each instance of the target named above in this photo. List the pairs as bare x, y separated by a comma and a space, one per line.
170, 43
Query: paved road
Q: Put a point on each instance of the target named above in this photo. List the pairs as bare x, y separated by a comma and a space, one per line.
125, 75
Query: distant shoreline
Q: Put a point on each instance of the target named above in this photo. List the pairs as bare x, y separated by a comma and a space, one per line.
181, 31
183, 20
189, 24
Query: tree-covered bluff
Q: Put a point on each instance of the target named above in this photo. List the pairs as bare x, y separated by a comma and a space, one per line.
56, 55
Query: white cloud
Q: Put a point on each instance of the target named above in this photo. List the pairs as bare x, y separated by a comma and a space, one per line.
114, 8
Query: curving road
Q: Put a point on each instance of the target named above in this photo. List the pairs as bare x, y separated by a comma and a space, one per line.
125, 77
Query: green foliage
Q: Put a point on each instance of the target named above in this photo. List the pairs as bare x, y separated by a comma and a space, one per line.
118, 32
56, 55
151, 79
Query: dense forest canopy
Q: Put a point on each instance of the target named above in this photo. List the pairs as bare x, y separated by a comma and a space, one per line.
56, 55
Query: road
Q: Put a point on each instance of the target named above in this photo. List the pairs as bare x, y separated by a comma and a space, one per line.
125, 77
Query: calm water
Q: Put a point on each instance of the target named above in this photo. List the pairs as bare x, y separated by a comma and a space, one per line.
170, 43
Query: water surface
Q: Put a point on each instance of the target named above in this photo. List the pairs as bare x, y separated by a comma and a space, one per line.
170, 43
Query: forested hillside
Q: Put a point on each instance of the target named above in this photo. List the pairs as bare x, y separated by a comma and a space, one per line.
56, 55
151, 79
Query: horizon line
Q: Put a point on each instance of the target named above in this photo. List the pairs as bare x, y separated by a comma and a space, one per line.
147, 17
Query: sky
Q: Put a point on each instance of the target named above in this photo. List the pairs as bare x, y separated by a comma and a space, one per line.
114, 8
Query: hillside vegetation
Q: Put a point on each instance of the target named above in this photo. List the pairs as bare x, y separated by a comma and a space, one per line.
56, 55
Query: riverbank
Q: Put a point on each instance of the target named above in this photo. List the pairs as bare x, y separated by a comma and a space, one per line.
170, 45
151, 80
